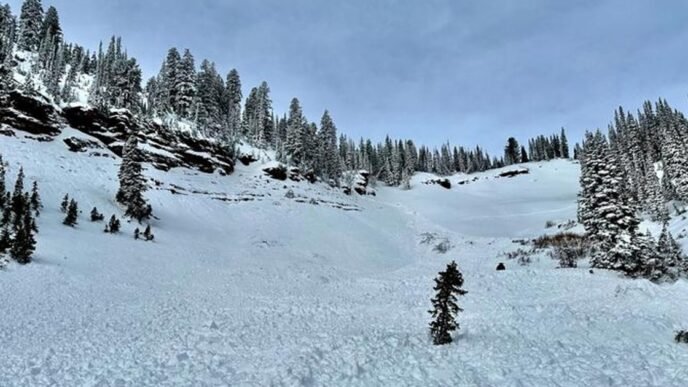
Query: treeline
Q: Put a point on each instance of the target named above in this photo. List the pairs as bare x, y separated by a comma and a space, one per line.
213, 105
637, 168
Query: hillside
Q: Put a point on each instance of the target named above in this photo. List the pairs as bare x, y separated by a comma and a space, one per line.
244, 286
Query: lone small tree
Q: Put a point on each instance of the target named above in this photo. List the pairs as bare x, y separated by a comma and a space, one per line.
148, 234
96, 216
447, 285
72, 214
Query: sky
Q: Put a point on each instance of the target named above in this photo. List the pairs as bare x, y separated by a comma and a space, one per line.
467, 72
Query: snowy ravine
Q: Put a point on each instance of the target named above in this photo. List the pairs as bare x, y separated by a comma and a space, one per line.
243, 286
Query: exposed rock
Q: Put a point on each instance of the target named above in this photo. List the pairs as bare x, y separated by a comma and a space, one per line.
29, 113
247, 159
7, 132
445, 183
80, 145
514, 173
279, 172
501, 267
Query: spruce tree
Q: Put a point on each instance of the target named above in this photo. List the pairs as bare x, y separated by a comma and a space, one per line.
18, 204
672, 262
64, 204
137, 233
445, 310
113, 225
512, 153
72, 214
234, 97
24, 243
296, 132
148, 234
96, 216
35, 200
132, 183
30, 25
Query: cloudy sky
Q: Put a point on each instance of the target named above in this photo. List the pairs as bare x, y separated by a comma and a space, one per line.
470, 72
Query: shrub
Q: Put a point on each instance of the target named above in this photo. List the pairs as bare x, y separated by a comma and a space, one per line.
681, 336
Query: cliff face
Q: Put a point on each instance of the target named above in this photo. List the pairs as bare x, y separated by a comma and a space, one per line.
162, 147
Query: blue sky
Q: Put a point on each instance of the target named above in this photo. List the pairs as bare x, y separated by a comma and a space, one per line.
470, 72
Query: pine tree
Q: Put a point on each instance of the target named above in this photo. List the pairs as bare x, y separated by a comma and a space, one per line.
132, 183
72, 214
605, 211
564, 145
5, 239
445, 310
136, 233
672, 262
24, 242
512, 153
234, 97
148, 234
113, 225
96, 216
18, 203
65, 203
296, 131
4, 203
30, 25
184, 85
35, 201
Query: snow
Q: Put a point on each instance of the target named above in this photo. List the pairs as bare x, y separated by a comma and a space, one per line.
259, 289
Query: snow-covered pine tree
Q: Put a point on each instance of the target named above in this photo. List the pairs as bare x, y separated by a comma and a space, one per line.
605, 212
30, 25
167, 80
296, 129
132, 183
672, 263
184, 87
329, 158
445, 310
674, 154
7, 34
234, 97
653, 200
72, 216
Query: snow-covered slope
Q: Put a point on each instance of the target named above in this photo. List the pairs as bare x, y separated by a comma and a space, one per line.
244, 286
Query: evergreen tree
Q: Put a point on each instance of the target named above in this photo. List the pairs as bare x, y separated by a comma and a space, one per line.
72, 214
512, 153
113, 225
51, 24
24, 243
148, 234
18, 202
30, 25
671, 262
564, 142
96, 216
35, 200
445, 310
137, 233
132, 183
234, 97
65, 203
184, 89
296, 132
